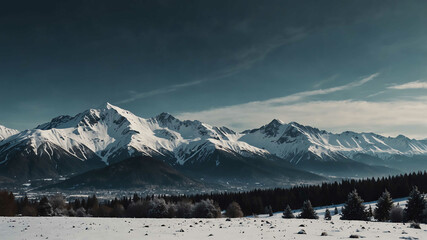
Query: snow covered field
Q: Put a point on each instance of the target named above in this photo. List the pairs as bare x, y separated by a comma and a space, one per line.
243, 228
262, 227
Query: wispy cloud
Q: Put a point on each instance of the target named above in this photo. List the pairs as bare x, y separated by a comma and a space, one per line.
387, 118
239, 61
302, 95
384, 117
410, 85
172, 88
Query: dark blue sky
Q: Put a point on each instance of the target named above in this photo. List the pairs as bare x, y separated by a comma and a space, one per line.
199, 59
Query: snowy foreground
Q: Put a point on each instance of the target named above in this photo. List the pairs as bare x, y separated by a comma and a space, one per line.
262, 227
243, 228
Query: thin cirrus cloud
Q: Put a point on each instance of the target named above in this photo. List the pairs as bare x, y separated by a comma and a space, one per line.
159, 91
389, 118
225, 114
410, 85
303, 95
239, 61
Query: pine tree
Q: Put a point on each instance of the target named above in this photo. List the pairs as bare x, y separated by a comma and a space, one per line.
353, 208
288, 212
384, 205
328, 215
7, 204
336, 211
269, 210
369, 212
415, 206
307, 211
44, 208
135, 198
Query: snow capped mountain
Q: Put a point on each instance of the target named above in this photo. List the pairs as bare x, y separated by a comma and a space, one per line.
6, 132
114, 134
291, 140
108, 134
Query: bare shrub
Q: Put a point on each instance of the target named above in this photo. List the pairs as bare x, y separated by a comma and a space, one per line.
206, 209
234, 210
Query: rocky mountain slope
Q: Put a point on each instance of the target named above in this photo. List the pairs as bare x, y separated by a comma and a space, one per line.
279, 152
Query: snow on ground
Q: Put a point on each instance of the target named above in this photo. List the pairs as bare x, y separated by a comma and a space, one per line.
262, 227
239, 228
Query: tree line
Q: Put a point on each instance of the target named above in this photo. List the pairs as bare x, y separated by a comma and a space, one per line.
235, 204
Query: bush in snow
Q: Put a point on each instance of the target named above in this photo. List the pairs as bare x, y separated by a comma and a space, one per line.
44, 208
60, 212
234, 210
81, 212
206, 209
288, 212
103, 211
184, 209
118, 210
137, 209
57, 201
307, 211
328, 215
171, 210
415, 206
157, 208
396, 214
71, 212
335, 211
353, 208
269, 210
29, 210
384, 205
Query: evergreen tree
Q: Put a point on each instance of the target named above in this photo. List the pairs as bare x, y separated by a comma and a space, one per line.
335, 211
384, 205
307, 211
44, 208
353, 208
269, 210
288, 212
135, 198
328, 215
415, 206
369, 212
7, 204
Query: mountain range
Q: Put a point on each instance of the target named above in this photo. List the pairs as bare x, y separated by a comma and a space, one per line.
105, 141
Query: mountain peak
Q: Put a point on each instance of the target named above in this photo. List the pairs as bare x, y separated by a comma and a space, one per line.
107, 105
276, 122
6, 132
272, 128
165, 117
